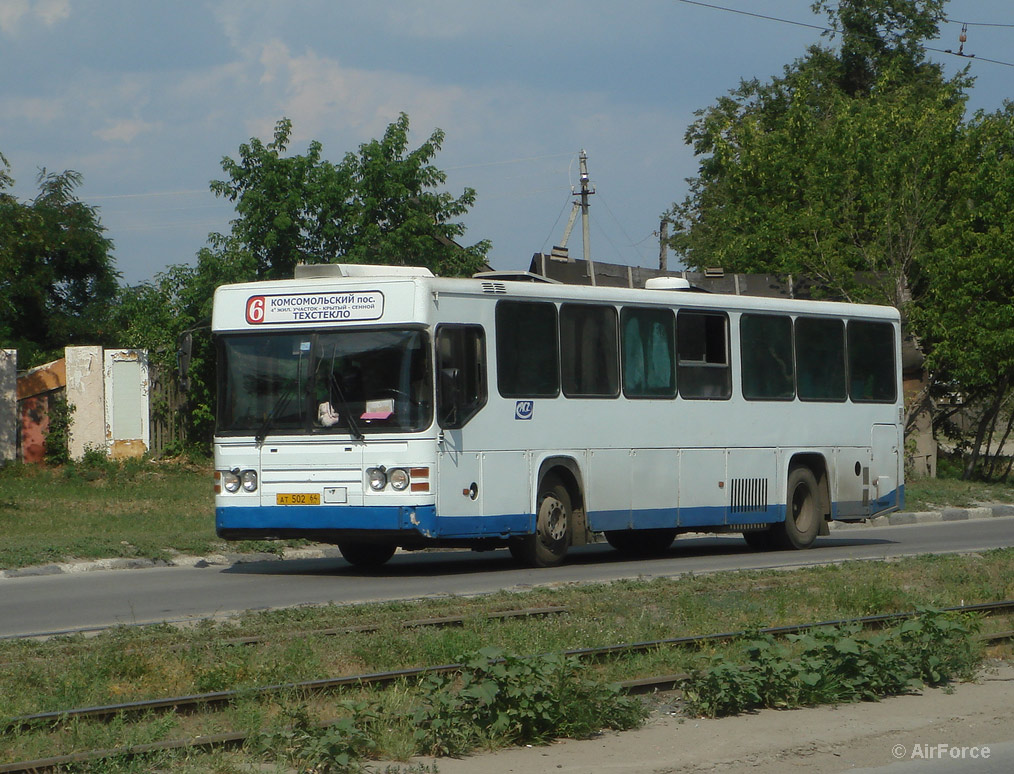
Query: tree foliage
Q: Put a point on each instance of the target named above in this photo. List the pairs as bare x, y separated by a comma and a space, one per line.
57, 276
375, 206
836, 167
966, 319
857, 168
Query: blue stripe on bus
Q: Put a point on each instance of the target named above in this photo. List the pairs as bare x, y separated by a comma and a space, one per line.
423, 519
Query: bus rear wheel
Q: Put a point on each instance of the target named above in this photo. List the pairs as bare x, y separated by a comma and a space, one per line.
366, 555
641, 542
802, 510
548, 546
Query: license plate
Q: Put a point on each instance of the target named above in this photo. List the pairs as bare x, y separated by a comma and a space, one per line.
310, 498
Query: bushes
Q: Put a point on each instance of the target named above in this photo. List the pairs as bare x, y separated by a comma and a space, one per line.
496, 700
834, 665
507, 700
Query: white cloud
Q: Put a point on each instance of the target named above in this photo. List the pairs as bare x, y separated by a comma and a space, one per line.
33, 110
52, 11
125, 130
49, 12
321, 96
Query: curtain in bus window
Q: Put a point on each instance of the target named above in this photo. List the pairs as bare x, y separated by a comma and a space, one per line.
648, 353
633, 357
766, 354
661, 373
872, 374
820, 359
588, 351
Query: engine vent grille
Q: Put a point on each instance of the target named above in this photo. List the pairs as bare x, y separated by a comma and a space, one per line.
494, 287
748, 495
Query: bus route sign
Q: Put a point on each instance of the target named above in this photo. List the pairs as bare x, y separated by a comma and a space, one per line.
304, 308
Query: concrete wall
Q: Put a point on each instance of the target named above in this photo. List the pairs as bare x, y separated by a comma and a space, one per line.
86, 392
8, 405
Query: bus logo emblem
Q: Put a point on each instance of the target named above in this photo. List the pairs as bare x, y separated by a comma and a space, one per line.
524, 409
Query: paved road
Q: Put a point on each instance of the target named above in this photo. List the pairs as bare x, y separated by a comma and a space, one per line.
71, 601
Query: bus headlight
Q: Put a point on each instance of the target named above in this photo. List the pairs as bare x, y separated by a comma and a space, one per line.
378, 478
249, 479
230, 480
399, 479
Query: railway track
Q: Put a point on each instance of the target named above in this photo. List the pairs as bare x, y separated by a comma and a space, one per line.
380, 679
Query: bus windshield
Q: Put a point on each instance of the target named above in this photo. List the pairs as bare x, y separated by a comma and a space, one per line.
356, 382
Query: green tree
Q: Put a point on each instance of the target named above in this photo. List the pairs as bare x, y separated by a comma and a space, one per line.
838, 166
966, 319
57, 277
375, 206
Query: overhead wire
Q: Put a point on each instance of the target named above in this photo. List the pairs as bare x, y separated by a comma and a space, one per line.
780, 20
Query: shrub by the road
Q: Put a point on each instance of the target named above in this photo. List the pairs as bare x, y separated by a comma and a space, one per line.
835, 664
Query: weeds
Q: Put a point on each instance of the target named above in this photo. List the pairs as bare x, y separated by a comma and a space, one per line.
506, 700
835, 665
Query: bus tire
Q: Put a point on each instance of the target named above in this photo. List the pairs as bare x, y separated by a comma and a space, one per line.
548, 546
641, 542
802, 510
366, 555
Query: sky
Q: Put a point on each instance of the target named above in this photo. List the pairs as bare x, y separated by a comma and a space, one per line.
145, 97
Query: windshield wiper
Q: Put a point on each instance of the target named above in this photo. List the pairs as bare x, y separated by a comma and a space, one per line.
343, 408
281, 403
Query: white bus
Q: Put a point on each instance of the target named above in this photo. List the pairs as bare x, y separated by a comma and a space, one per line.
378, 407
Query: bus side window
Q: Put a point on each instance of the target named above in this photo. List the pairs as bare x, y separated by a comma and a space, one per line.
872, 374
461, 373
649, 347
820, 359
703, 352
527, 349
589, 353
766, 354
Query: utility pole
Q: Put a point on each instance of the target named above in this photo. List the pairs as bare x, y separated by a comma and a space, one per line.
663, 245
586, 191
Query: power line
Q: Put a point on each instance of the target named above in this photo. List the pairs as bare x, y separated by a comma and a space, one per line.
976, 24
832, 30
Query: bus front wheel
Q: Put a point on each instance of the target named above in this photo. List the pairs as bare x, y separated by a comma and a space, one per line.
548, 546
802, 510
365, 555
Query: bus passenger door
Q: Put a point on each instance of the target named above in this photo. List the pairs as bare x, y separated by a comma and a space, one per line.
459, 478
461, 394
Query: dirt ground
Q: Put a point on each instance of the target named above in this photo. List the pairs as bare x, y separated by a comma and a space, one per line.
821, 740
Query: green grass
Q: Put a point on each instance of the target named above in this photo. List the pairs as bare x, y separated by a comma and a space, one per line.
100, 509
87, 512
928, 494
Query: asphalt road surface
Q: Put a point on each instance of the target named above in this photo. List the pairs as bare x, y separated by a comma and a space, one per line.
83, 600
